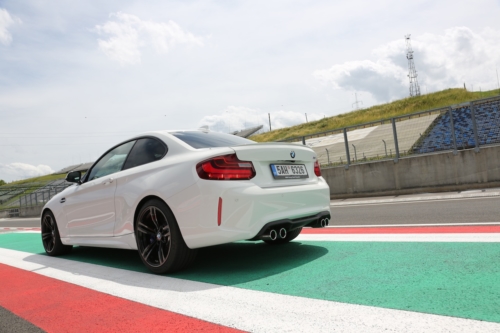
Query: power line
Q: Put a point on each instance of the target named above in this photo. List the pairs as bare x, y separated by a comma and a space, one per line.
68, 133
58, 137
57, 144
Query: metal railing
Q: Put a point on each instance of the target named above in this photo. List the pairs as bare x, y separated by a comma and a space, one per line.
41, 196
452, 128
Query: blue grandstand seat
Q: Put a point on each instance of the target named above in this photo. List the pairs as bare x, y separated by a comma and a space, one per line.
439, 137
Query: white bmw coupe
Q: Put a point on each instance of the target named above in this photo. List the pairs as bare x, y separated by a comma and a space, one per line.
169, 193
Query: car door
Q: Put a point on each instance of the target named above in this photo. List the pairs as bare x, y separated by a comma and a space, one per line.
90, 207
135, 181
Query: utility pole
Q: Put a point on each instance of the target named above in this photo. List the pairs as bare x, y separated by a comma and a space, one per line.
357, 102
412, 73
498, 82
269, 121
306, 118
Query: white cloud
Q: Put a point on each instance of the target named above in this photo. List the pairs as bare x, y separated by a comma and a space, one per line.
128, 34
6, 20
236, 118
18, 171
442, 61
383, 79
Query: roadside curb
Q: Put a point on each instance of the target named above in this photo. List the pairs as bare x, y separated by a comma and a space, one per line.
425, 198
19, 229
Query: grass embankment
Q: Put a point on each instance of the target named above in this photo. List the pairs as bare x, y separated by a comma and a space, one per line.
41, 179
377, 112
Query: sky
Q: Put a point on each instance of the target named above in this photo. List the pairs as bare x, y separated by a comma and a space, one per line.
77, 77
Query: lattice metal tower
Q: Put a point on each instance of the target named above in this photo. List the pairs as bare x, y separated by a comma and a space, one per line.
412, 73
357, 102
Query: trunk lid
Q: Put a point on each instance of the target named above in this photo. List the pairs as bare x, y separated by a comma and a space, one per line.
263, 155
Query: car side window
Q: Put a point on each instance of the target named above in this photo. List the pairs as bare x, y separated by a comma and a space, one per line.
111, 162
145, 151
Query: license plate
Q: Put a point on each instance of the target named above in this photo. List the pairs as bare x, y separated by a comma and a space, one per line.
289, 171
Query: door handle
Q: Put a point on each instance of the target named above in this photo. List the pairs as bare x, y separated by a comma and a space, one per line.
108, 181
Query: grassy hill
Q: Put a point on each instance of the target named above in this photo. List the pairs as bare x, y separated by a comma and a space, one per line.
40, 179
377, 112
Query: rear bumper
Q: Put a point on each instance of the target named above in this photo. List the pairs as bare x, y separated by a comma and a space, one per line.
246, 209
292, 224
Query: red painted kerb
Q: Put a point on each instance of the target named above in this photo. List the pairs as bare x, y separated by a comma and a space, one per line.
57, 306
405, 230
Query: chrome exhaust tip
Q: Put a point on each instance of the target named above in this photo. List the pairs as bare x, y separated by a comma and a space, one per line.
282, 233
273, 235
323, 223
327, 222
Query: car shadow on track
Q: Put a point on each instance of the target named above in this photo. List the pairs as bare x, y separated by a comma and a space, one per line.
227, 264
236, 263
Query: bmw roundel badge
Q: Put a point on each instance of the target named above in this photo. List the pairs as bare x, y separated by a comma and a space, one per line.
292, 154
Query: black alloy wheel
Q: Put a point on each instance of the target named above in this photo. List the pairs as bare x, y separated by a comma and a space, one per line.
154, 238
50, 236
159, 241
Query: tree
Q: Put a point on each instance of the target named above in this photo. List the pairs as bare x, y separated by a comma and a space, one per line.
2, 182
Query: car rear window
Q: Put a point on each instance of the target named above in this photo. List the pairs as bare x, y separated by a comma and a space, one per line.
199, 140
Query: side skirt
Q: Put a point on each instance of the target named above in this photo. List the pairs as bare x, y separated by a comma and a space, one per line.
119, 242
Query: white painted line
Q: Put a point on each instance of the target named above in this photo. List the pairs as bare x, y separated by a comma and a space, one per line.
414, 225
453, 197
247, 310
436, 238
20, 228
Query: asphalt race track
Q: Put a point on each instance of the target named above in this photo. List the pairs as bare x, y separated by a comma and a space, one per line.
448, 211
388, 277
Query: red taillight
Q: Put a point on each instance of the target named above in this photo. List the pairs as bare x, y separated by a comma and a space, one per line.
317, 170
227, 167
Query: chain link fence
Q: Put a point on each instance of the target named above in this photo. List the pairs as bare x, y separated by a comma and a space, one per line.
456, 127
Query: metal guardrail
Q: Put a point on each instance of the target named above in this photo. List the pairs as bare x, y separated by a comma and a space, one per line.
452, 128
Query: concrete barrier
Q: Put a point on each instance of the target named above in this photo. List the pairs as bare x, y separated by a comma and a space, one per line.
34, 211
427, 173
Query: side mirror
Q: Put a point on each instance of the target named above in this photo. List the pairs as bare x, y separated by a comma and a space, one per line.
74, 177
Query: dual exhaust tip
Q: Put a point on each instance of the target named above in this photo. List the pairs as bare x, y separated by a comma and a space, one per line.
321, 223
281, 233
274, 234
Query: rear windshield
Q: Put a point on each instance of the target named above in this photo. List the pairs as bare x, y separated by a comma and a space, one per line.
198, 139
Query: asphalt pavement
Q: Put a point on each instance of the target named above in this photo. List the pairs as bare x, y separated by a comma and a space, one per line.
9, 322
453, 211
467, 207
29, 222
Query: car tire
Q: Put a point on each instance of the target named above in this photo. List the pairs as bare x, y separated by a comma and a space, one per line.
159, 240
289, 237
51, 239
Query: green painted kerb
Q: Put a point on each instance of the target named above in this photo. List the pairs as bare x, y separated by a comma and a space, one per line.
454, 279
